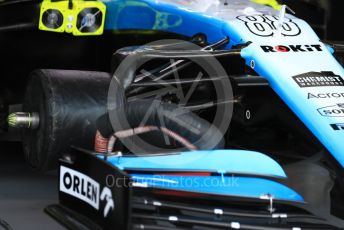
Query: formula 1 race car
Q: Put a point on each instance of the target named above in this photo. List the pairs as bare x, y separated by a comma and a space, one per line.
183, 114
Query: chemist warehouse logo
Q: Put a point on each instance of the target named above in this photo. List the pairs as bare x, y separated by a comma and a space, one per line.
292, 48
318, 79
85, 188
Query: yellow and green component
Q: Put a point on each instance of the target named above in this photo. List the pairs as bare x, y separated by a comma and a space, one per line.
23, 120
273, 3
12, 120
53, 16
78, 17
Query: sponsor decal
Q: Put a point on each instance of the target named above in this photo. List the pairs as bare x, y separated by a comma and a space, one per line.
317, 79
332, 111
324, 95
337, 127
106, 196
80, 186
266, 25
292, 48
85, 188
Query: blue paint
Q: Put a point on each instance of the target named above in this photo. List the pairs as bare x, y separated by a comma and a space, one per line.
228, 186
153, 15
222, 161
